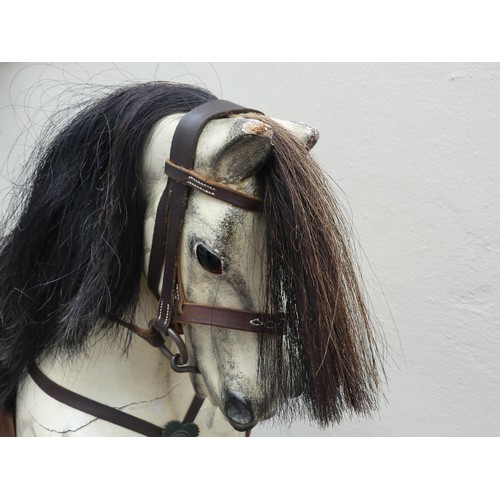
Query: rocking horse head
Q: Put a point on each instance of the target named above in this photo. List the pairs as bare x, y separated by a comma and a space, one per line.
233, 225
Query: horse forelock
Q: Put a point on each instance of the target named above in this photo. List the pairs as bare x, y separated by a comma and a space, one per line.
328, 352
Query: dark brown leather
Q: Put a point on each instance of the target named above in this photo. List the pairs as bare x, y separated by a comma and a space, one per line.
182, 153
171, 210
92, 407
152, 336
105, 412
157, 256
172, 233
234, 319
164, 254
212, 188
187, 132
193, 410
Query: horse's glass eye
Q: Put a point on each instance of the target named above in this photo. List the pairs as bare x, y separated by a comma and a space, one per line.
208, 260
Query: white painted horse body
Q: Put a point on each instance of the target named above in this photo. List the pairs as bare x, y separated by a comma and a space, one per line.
141, 382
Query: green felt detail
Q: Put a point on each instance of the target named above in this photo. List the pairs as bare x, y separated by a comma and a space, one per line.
178, 429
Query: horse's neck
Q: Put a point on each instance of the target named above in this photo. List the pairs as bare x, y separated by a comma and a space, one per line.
139, 382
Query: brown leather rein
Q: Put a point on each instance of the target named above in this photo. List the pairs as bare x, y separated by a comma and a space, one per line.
173, 310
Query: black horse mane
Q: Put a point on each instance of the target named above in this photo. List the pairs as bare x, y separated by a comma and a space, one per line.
75, 255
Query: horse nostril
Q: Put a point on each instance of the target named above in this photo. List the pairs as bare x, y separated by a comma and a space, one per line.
239, 412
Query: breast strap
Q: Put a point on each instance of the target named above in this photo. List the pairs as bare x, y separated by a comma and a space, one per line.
105, 412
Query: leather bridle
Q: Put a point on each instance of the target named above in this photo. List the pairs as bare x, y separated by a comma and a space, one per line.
173, 310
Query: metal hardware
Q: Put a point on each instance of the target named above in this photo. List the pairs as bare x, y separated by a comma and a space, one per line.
257, 322
177, 360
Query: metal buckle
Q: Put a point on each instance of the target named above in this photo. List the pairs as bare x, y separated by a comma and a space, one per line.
177, 360
258, 323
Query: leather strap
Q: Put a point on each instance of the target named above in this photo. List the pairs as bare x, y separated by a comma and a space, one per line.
235, 319
105, 412
172, 235
164, 254
159, 242
212, 188
172, 205
153, 337
92, 407
193, 410
187, 132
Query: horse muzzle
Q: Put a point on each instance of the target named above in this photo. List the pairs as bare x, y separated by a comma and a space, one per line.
239, 413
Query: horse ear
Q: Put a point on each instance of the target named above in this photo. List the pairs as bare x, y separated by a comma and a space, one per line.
306, 135
233, 149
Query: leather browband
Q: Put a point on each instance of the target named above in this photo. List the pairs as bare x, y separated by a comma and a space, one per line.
212, 188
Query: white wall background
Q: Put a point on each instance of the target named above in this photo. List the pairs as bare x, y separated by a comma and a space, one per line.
415, 149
